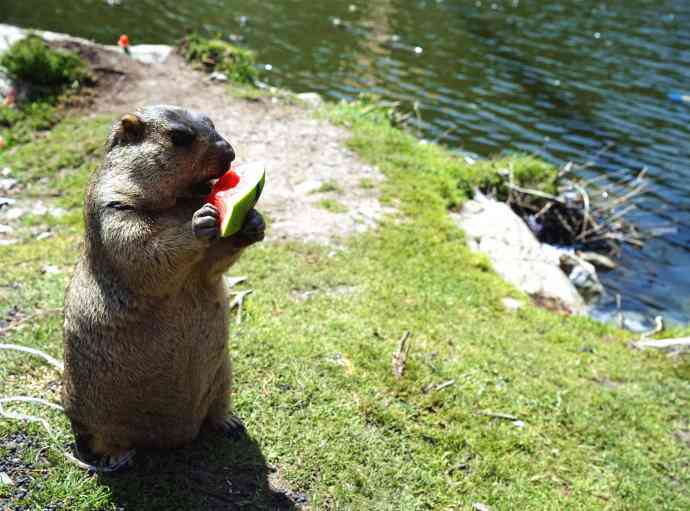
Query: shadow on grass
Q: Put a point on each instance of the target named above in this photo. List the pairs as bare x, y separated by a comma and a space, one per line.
213, 473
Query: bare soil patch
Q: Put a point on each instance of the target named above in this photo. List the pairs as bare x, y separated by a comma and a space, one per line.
301, 152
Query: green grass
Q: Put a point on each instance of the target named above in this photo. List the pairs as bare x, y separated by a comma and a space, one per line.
366, 184
214, 54
49, 71
313, 378
328, 187
332, 205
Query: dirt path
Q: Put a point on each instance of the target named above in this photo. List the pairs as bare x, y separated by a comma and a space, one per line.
301, 152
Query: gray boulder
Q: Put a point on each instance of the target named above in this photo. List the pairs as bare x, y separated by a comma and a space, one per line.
492, 228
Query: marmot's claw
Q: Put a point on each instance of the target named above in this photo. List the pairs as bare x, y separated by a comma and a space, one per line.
254, 227
230, 426
205, 222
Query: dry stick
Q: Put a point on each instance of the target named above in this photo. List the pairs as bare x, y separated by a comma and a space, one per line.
443, 385
544, 210
400, 356
619, 237
609, 221
52, 361
585, 201
238, 301
499, 415
625, 198
233, 281
536, 193
663, 343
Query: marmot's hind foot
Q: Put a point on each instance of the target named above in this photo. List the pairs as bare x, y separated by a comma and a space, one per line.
230, 426
92, 450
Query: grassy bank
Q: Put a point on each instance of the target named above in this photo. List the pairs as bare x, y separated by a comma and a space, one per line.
597, 425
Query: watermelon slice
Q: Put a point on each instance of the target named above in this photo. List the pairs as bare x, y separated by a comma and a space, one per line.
236, 193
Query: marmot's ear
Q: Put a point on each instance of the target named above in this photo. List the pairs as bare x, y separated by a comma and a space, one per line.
128, 130
132, 127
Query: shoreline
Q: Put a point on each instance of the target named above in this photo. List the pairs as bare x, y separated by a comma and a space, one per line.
547, 283
496, 402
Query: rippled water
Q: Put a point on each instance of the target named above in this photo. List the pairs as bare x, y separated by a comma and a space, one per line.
558, 79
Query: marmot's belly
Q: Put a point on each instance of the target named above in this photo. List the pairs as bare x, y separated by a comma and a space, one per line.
160, 374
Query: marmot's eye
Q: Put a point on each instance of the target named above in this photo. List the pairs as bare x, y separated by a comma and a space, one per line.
182, 137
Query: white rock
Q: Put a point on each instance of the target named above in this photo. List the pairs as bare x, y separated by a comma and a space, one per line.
50, 269
4, 243
39, 209
148, 53
5, 480
5, 171
6, 229
495, 230
511, 304
7, 183
14, 213
312, 99
44, 235
217, 76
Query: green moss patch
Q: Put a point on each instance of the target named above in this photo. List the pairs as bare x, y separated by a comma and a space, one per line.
217, 55
48, 71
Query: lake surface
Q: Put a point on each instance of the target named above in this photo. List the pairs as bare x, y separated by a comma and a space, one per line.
558, 79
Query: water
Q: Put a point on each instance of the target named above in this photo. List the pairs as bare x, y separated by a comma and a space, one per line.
557, 79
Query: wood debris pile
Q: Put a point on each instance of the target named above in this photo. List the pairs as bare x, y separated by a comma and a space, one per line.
587, 214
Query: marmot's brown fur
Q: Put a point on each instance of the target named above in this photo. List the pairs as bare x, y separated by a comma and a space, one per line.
146, 312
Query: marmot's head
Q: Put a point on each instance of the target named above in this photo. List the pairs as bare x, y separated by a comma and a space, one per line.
161, 153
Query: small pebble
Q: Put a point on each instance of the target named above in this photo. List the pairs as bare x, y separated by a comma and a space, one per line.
511, 304
418, 50
7, 184
6, 201
5, 172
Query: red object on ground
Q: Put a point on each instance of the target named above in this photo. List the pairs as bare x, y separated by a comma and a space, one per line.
123, 42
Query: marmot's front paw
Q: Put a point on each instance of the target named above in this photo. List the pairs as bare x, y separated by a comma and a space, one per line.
205, 222
253, 227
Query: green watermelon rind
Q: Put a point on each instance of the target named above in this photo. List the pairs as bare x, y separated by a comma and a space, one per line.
237, 210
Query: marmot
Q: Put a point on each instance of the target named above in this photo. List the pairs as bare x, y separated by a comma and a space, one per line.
146, 311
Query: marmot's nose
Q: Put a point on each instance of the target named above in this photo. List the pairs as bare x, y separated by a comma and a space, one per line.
226, 152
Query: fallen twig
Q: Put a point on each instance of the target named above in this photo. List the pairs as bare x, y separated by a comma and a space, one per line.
52, 361
662, 344
438, 386
400, 356
233, 281
499, 415
238, 302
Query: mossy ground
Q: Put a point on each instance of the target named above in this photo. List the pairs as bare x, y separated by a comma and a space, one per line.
603, 425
